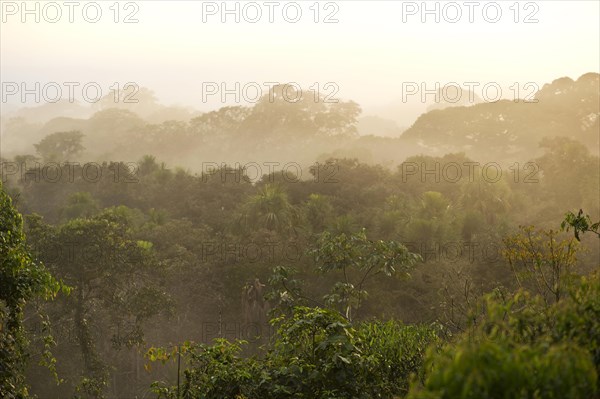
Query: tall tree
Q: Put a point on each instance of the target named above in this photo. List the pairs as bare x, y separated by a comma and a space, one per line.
114, 289
21, 280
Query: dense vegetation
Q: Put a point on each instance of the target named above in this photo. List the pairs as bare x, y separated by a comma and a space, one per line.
434, 278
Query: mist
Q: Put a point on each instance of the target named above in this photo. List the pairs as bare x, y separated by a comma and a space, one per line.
299, 199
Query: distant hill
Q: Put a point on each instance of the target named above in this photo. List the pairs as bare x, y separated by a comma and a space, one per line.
508, 129
500, 131
46, 111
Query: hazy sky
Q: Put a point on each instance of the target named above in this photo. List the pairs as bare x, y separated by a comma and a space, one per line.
368, 53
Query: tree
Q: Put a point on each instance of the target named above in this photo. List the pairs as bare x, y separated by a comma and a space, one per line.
80, 204
491, 200
568, 165
540, 262
316, 353
269, 209
60, 146
114, 286
360, 258
523, 346
522, 349
339, 120
21, 280
286, 113
318, 212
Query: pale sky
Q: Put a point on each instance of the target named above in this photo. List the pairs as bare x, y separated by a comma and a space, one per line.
368, 53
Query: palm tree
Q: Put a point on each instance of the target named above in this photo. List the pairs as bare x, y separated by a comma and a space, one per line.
269, 209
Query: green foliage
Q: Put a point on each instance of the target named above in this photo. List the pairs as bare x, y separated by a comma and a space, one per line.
286, 290
269, 209
217, 371
356, 254
80, 204
580, 224
318, 212
523, 349
396, 353
178, 234
114, 286
524, 346
316, 354
21, 280
568, 164
141, 233
578, 319
540, 262
499, 369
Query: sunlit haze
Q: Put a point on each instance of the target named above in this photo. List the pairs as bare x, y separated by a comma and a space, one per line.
368, 53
